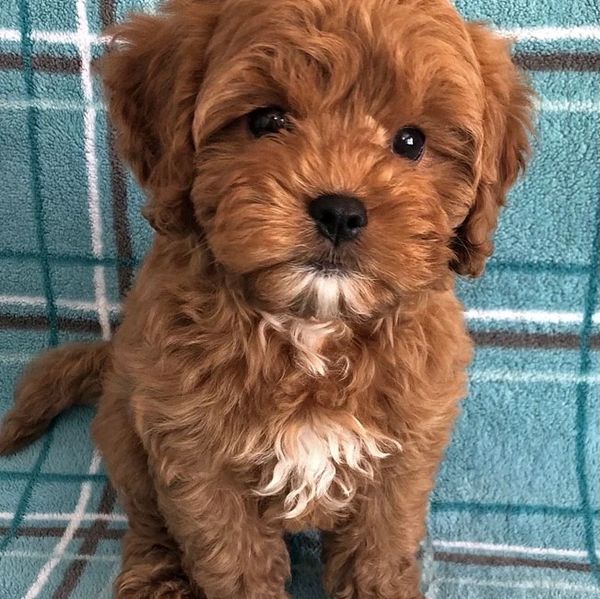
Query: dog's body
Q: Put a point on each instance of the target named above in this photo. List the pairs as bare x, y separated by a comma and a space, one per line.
275, 371
226, 412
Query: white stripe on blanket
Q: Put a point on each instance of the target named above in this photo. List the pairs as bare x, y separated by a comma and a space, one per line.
77, 305
473, 314
521, 34
65, 517
515, 376
65, 556
541, 583
548, 34
61, 547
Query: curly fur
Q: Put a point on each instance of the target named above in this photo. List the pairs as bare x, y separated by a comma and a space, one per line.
246, 394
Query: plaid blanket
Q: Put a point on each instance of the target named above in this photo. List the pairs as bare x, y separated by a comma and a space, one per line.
516, 512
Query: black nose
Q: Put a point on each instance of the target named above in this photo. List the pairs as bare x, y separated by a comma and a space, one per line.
338, 217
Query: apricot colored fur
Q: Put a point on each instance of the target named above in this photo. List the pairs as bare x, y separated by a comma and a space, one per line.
233, 406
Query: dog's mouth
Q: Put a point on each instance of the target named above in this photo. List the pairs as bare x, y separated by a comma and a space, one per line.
329, 268
333, 263
321, 287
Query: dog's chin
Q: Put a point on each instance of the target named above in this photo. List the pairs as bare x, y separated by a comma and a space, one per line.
320, 291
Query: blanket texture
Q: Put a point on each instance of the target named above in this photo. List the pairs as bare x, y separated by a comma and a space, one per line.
516, 512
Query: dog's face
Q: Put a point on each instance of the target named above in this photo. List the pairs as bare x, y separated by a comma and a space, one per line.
337, 156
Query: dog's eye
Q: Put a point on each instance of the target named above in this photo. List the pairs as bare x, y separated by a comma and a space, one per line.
409, 143
269, 119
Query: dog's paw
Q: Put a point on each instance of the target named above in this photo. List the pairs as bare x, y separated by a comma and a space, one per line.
354, 593
130, 586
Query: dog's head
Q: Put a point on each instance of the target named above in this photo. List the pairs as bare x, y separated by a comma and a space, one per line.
336, 156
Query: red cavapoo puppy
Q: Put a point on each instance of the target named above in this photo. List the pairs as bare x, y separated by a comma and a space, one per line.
293, 353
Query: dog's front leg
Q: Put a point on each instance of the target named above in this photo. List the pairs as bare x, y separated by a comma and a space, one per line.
374, 555
227, 549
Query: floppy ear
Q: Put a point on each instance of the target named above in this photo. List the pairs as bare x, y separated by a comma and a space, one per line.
152, 75
506, 128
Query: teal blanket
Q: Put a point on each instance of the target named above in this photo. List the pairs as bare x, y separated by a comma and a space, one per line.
516, 512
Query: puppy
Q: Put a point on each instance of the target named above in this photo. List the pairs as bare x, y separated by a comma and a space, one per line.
293, 353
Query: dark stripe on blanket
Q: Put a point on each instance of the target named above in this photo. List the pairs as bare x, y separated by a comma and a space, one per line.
45, 63
42, 247
10, 61
118, 184
91, 539
111, 534
441, 556
68, 260
120, 216
508, 339
507, 509
560, 61
108, 13
533, 268
586, 366
40, 322
505, 561
35, 170
55, 477
68, 65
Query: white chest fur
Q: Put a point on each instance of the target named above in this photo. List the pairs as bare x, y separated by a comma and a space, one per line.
313, 459
307, 338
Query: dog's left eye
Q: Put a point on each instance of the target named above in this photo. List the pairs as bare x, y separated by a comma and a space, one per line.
409, 143
269, 119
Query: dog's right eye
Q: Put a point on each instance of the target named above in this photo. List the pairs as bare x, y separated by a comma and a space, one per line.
269, 119
409, 143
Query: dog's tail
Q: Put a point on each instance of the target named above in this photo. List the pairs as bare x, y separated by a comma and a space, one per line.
58, 379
